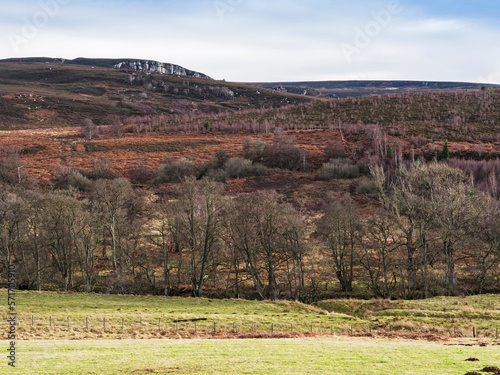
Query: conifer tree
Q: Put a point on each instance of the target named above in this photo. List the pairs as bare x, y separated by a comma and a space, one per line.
445, 154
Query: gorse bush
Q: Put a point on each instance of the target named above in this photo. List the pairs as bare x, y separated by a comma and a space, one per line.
339, 168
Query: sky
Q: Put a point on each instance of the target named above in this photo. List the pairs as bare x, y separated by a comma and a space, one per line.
269, 40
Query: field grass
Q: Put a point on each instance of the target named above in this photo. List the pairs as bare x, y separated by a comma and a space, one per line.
54, 315
155, 316
309, 356
448, 313
146, 348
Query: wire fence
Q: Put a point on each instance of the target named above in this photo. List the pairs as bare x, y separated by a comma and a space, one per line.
206, 326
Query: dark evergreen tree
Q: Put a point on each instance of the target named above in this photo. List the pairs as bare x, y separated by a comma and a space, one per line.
445, 154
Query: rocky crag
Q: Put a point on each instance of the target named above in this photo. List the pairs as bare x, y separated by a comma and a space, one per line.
158, 67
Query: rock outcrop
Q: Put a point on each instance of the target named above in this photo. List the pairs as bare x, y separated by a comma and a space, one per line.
158, 67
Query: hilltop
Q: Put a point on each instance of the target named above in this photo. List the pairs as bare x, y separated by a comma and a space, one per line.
126, 63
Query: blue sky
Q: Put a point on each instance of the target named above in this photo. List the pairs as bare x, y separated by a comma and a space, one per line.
264, 40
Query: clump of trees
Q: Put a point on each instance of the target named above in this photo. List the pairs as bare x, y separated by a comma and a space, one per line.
431, 232
284, 153
339, 169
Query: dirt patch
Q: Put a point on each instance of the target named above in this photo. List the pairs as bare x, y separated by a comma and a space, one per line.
492, 369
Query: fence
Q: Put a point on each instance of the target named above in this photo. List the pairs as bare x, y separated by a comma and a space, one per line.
205, 326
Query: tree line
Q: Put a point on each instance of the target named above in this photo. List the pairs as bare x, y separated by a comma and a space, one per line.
425, 231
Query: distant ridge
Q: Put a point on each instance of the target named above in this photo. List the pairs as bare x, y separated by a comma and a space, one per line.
345, 89
149, 66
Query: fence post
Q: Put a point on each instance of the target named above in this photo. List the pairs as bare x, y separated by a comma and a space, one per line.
32, 320
159, 324
215, 327
68, 321
123, 325
311, 328
272, 327
474, 332
351, 331
87, 323
233, 328
104, 323
496, 334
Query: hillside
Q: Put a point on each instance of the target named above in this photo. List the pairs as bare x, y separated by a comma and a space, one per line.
43, 94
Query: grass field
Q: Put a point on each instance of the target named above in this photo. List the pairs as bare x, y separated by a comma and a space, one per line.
54, 315
309, 356
142, 315
146, 349
450, 313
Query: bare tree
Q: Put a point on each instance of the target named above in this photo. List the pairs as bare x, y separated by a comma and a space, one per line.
258, 230
380, 258
61, 218
340, 229
200, 222
116, 125
88, 128
112, 198
12, 169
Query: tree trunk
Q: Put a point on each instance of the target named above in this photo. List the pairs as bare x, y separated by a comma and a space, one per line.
450, 268
273, 288
166, 272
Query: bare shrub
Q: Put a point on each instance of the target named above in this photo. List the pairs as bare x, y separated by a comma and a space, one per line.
79, 181
115, 125
285, 153
366, 187
218, 175
339, 168
175, 171
259, 169
255, 150
102, 169
89, 129
239, 167
139, 173
11, 167
335, 150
